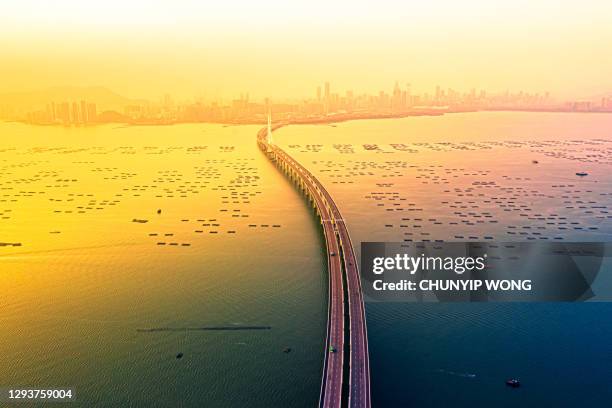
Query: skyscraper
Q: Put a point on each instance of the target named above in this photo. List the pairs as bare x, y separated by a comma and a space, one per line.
91, 112
84, 118
75, 112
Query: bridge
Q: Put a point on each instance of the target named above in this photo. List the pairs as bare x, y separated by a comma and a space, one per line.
346, 370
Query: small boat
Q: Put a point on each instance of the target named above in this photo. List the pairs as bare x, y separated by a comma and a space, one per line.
535, 161
332, 349
582, 174
140, 221
287, 350
179, 356
513, 382
159, 211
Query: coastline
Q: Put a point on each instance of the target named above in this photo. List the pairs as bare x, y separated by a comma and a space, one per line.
311, 120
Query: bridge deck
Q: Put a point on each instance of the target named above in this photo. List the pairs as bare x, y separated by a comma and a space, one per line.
340, 257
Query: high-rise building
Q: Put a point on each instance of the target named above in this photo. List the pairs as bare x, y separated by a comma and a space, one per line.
75, 113
396, 100
51, 112
84, 118
91, 112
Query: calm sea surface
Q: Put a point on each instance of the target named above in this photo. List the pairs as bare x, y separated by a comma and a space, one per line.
234, 245
476, 177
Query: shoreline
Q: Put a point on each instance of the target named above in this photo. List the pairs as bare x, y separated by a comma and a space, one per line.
319, 120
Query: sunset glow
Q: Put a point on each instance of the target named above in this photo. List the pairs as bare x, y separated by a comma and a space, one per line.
284, 49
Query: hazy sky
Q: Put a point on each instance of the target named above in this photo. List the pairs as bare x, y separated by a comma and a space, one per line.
286, 48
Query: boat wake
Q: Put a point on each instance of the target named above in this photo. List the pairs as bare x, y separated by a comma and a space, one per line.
203, 328
456, 374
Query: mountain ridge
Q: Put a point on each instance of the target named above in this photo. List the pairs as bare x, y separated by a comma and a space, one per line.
102, 96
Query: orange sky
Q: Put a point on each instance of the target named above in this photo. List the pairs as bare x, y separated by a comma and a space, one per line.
273, 48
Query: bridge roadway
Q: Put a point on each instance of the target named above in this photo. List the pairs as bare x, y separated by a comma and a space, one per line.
340, 257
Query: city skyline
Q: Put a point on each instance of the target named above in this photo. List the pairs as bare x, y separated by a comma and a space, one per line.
325, 103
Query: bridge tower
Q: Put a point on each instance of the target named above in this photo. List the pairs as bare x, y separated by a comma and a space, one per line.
269, 134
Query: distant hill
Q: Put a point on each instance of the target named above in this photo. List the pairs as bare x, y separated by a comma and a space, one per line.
103, 97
